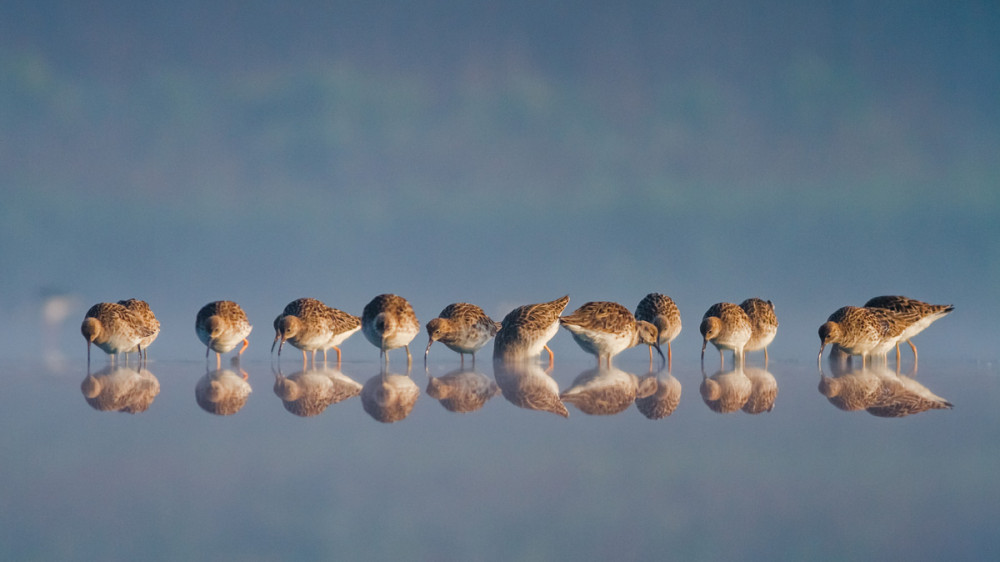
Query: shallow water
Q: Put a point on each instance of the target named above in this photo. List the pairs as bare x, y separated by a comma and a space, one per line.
501, 482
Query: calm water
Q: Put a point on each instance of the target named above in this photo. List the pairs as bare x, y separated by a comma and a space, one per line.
501, 482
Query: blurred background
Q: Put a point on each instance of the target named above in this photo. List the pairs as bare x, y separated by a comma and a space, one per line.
812, 153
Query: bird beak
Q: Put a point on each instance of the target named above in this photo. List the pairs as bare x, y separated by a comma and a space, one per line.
660, 351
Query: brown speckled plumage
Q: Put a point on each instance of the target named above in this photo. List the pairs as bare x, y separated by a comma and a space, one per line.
605, 329
114, 328
144, 315
311, 325
763, 324
463, 328
861, 331
388, 322
660, 311
221, 326
727, 326
527, 329
915, 315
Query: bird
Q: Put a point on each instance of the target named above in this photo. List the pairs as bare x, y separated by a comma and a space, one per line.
763, 324
311, 325
221, 326
861, 331
660, 311
916, 315
145, 315
114, 329
388, 322
605, 329
526, 331
727, 326
463, 328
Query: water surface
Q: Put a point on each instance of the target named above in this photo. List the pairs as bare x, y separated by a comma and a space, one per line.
500, 482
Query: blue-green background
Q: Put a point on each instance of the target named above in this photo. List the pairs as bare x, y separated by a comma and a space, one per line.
812, 153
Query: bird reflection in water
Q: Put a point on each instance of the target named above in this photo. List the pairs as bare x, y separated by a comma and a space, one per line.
222, 392
389, 397
607, 391
309, 392
120, 389
763, 390
878, 390
726, 391
462, 390
664, 400
526, 385
903, 396
849, 389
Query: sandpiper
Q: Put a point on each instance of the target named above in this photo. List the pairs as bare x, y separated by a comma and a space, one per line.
763, 324
660, 311
727, 326
915, 314
526, 331
113, 328
605, 329
310, 325
221, 326
861, 331
463, 328
388, 322
146, 317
